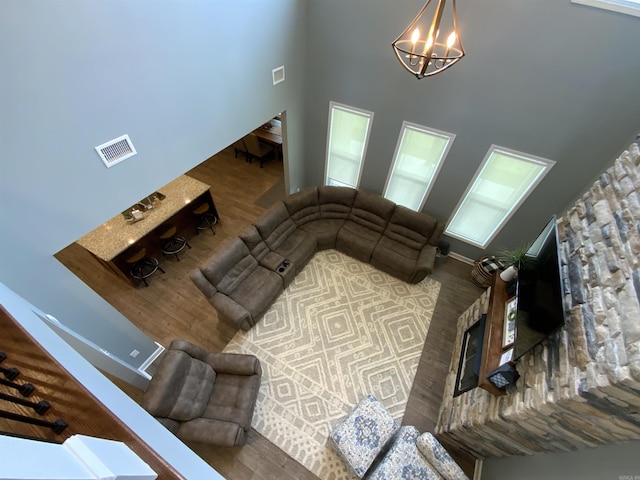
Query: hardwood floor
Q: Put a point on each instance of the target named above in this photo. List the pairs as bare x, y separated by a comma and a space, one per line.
172, 307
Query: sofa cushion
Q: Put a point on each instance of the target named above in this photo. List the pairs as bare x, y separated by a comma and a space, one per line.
230, 266
233, 398
326, 231
357, 241
371, 211
363, 229
403, 460
437, 456
254, 242
298, 247
181, 388
410, 228
396, 263
303, 206
257, 291
275, 225
335, 202
403, 239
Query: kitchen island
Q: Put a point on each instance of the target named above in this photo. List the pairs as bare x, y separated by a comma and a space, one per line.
115, 240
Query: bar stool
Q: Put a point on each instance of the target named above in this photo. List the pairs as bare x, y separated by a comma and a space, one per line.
142, 267
172, 244
205, 219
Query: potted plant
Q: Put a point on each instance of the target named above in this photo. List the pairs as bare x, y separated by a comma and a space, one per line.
513, 260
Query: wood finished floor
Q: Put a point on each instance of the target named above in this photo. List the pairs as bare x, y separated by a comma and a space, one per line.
172, 307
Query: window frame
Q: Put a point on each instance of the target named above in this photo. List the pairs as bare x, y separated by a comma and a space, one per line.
356, 110
628, 7
544, 162
406, 125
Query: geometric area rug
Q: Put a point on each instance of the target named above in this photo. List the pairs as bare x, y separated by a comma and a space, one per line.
339, 331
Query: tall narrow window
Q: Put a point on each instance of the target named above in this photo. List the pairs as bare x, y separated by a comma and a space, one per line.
347, 140
630, 7
420, 152
503, 181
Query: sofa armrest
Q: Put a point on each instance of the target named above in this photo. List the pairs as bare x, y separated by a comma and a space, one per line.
272, 261
191, 349
234, 363
203, 283
214, 432
230, 311
424, 264
438, 229
439, 458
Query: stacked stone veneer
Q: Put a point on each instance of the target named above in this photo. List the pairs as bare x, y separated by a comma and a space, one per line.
580, 387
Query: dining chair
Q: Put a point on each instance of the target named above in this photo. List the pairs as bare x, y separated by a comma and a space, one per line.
256, 149
240, 147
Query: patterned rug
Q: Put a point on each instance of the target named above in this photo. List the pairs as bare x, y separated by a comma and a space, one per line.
340, 330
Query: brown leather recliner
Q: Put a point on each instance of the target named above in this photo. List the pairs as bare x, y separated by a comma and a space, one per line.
202, 396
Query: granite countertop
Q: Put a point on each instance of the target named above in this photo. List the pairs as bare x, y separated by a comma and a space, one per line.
116, 235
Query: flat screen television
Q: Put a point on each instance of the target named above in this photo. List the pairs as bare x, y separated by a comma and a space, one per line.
540, 292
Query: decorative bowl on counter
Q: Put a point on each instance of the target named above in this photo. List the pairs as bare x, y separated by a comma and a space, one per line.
135, 213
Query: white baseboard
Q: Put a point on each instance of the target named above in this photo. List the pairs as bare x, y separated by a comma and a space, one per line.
152, 358
462, 258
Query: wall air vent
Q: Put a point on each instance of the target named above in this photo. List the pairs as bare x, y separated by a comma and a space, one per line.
277, 75
116, 150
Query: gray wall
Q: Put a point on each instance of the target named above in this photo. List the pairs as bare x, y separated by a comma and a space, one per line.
608, 462
183, 79
550, 78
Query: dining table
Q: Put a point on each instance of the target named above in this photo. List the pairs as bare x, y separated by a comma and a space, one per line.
271, 133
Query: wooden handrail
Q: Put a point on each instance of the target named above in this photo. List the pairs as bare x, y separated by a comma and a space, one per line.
69, 399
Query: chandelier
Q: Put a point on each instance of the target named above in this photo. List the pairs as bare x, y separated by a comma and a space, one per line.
431, 43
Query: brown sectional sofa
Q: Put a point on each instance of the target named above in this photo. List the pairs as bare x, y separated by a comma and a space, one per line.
242, 280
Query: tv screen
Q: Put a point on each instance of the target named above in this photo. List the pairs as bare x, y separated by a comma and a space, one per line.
540, 292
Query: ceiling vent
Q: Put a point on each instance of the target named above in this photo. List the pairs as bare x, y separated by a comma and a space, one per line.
116, 150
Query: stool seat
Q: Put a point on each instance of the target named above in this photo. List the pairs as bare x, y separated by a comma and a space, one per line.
142, 266
204, 208
205, 219
172, 244
136, 257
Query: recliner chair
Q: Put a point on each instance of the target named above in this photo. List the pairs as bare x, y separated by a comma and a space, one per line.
204, 397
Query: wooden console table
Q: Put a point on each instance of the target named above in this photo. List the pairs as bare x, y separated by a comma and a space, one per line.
272, 135
492, 345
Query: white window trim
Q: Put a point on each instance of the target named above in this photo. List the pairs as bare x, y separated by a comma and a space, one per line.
348, 108
629, 7
406, 125
548, 164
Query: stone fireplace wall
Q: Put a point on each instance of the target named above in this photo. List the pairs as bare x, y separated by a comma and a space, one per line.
581, 387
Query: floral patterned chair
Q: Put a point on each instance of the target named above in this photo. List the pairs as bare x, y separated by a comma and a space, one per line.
363, 434
415, 456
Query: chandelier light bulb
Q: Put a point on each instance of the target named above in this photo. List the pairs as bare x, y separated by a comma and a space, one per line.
451, 39
415, 36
